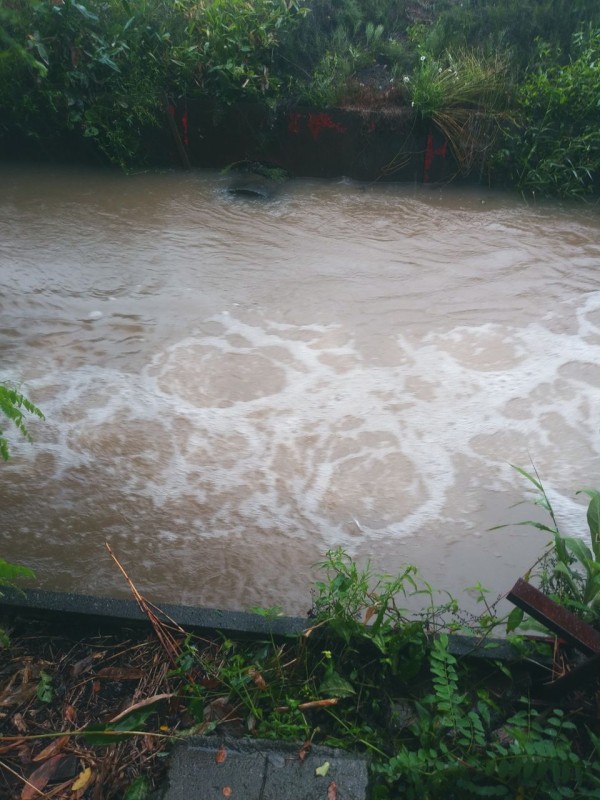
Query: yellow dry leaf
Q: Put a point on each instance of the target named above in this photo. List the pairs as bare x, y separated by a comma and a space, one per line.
82, 780
369, 613
323, 769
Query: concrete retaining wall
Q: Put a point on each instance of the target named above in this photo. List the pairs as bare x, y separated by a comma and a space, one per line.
378, 145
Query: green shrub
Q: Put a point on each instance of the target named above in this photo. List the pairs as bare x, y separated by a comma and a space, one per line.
556, 149
104, 70
507, 26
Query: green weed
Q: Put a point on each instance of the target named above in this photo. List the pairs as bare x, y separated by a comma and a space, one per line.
569, 570
13, 404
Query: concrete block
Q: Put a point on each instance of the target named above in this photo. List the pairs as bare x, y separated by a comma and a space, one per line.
262, 770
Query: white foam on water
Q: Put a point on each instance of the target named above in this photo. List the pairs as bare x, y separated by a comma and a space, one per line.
290, 427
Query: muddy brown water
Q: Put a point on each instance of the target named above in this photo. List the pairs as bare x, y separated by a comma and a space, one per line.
233, 387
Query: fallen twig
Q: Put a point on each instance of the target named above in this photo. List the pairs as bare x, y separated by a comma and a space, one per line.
328, 701
165, 637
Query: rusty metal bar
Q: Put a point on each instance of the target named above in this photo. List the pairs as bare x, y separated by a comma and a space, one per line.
556, 618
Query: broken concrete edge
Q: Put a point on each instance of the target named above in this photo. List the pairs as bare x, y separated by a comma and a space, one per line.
108, 613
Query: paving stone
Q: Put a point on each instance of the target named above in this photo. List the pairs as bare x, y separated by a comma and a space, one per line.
195, 774
261, 770
288, 777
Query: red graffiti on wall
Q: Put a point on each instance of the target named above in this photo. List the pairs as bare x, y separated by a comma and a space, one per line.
184, 125
430, 154
320, 122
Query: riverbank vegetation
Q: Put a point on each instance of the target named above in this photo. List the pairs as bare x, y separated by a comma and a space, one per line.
512, 85
376, 671
14, 406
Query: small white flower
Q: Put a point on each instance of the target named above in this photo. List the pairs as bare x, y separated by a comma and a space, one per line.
422, 58
406, 79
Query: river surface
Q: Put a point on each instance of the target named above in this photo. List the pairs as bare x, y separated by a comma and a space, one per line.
232, 387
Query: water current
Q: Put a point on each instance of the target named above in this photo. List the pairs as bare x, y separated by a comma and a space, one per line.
231, 387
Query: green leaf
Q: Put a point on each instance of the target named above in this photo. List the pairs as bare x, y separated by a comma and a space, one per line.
334, 685
567, 574
11, 572
85, 13
108, 62
529, 477
139, 789
593, 519
581, 552
530, 523
112, 733
11, 405
515, 618
44, 691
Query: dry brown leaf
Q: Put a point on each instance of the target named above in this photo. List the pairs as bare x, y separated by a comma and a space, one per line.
303, 752
120, 673
12, 745
221, 755
17, 696
70, 713
40, 777
96, 687
52, 749
57, 791
86, 663
369, 613
332, 791
24, 755
150, 743
218, 709
257, 678
19, 723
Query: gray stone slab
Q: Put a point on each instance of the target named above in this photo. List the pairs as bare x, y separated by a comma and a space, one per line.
288, 777
195, 774
262, 770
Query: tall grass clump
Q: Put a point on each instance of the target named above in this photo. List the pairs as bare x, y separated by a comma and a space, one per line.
465, 95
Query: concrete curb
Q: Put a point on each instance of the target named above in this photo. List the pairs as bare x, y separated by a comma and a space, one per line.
107, 613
